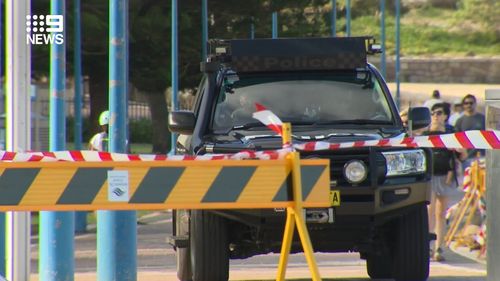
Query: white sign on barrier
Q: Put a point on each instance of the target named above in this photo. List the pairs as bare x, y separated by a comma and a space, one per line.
118, 186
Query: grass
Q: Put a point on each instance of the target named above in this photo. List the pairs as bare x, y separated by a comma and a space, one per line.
430, 32
141, 148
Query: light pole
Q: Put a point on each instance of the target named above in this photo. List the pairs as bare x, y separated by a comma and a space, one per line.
57, 228
204, 28
348, 17
117, 230
334, 18
398, 12
382, 38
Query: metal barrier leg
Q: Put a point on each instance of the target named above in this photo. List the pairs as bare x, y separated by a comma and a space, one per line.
287, 243
308, 249
294, 216
459, 219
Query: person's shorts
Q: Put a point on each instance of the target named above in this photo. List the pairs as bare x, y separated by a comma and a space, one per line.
439, 186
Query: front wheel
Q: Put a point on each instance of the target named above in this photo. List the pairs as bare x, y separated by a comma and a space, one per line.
209, 247
411, 246
379, 266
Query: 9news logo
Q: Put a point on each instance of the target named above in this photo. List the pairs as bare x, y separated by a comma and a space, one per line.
44, 29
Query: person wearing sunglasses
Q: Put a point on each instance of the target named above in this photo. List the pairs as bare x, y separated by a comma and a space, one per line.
444, 177
471, 120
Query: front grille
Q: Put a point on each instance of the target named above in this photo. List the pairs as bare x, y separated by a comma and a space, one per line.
339, 158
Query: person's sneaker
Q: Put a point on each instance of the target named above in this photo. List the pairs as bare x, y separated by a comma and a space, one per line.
438, 255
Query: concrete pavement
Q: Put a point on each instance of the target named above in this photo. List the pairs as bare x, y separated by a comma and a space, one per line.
156, 260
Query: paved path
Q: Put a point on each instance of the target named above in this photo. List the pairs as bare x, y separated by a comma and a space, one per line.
156, 260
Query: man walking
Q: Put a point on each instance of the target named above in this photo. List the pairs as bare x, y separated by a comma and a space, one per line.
471, 120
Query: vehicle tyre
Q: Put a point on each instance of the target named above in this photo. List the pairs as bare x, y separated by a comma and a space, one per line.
209, 247
184, 272
411, 248
379, 266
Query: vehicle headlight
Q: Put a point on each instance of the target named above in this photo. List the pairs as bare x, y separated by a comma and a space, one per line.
405, 162
355, 171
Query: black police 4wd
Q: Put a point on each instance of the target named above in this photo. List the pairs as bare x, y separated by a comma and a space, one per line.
326, 89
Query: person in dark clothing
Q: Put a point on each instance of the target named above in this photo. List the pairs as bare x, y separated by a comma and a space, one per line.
471, 120
444, 179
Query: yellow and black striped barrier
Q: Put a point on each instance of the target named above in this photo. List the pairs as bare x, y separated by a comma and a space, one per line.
289, 183
35, 186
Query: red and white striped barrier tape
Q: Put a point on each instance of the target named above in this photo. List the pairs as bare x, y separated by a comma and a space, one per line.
486, 139
461, 140
96, 156
268, 118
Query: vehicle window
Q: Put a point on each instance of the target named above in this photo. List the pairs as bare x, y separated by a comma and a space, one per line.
199, 94
301, 98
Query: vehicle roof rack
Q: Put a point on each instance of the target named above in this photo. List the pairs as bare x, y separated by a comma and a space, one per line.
292, 54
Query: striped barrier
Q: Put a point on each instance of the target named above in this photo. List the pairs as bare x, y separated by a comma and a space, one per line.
74, 180
474, 139
59, 185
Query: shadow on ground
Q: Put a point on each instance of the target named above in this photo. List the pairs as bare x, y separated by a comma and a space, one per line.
440, 278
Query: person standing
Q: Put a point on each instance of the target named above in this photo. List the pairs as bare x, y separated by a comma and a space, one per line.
457, 113
444, 178
471, 120
99, 142
435, 98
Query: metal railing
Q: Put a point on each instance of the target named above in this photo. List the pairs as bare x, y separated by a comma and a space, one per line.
136, 110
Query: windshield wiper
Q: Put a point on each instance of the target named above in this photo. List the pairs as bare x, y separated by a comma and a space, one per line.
356, 122
298, 122
248, 126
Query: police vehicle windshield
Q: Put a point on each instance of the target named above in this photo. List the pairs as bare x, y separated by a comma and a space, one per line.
353, 97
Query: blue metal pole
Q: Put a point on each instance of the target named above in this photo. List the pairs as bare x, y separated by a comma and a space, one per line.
2, 243
127, 90
117, 230
204, 28
382, 37
252, 30
80, 217
275, 25
2, 215
348, 17
398, 20
57, 228
174, 68
334, 18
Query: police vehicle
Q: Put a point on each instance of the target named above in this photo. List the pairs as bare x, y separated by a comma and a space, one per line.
329, 92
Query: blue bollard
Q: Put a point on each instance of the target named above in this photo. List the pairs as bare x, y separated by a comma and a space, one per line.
117, 230
57, 228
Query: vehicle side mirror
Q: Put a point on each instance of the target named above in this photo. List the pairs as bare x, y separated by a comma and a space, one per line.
420, 117
181, 122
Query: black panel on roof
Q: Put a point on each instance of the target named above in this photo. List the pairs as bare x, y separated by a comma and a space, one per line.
287, 54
